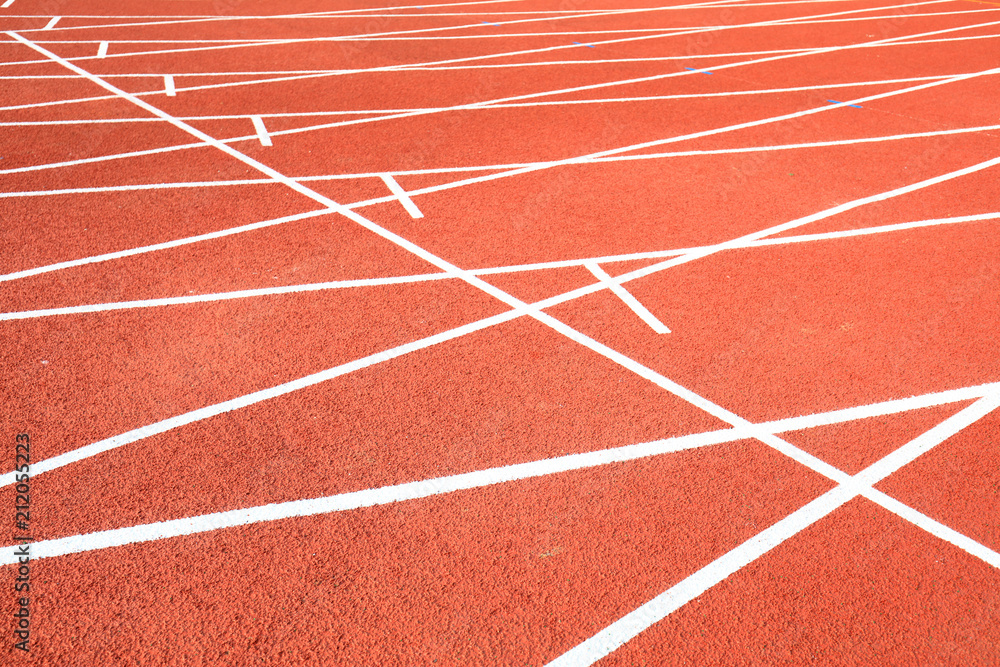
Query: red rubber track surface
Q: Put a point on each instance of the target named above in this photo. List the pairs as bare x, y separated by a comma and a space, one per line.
523, 332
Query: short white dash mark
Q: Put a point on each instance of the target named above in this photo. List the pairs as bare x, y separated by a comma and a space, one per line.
401, 195
168, 85
52, 23
102, 50
630, 301
7, 4
258, 125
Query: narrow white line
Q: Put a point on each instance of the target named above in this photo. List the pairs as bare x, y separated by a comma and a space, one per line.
102, 50
246, 400
91, 308
7, 4
222, 296
629, 300
935, 528
873, 230
258, 125
168, 85
401, 195
161, 246
618, 633
52, 23
777, 22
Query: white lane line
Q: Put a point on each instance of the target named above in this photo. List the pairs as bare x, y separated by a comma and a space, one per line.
477, 479
102, 50
777, 22
262, 135
401, 195
383, 112
246, 400
618, 633
629, 300
517, 305
7, 4
161, 246
411, 172
52, 23
393, 37
936, 528
219, 296
367, 498
223, 296
168, 85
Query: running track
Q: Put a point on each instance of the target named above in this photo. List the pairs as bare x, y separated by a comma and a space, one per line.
513, 332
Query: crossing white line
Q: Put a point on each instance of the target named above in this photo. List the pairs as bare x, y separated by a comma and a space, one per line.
258, 125
102, 50
629, 626
168, 85
629, 300
52, 23
402, 196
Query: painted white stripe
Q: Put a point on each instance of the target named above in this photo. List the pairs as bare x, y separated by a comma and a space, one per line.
367, 498
223, 296
219, 296
52, 23
401, 195
393, 37
168, 85
935, 528
543, 49
615, 635
441, 170
102, 50
629, 300
239, 402
161, 246
7, 4
430, 487
258, 125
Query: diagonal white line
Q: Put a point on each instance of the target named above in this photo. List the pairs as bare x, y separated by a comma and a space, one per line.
629, 626
258, 125
401, 195
629, 300
478, 479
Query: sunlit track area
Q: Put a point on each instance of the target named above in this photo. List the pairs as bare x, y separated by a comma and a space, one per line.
500, 332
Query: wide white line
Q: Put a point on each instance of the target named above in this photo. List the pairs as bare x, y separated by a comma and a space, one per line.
161, 246
367, 498
7, 4
168, 85
52, 23
401, 195
223, 296
449, 484
651, 320
102, 49
258, 125
618, 633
